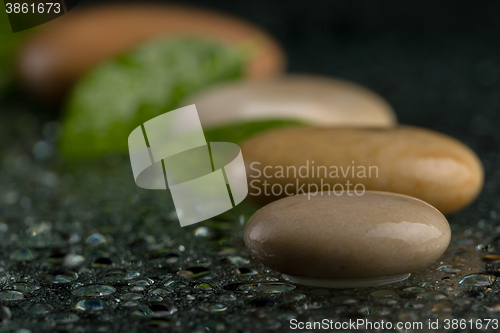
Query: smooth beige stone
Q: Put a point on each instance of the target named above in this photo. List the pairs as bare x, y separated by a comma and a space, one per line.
66, 48
314, 100
375, 235
408, 160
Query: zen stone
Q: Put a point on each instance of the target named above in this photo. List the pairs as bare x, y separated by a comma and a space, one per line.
343, 241
310, 99
65, 49
408, 160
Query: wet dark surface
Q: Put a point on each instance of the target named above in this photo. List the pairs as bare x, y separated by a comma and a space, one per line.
66, 226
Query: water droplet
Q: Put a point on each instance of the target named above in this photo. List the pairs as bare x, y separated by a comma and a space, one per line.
194, 272
414, 290
245, 271
432, 295
478, 280
446, 289
73, 260
204, 286
484, 248
102, 262
293, 297
212, 307
90, 305
94, 290
474, 294
345, 299
164, 256
40, 309
62, 318
96, 239
142, 282
227, 298
61, 276
39, 229
375, 310
161, 291
5, 314
306, 306
462, 301
26, 287
22, 255
441, 307
11, 295
202, 232
235, 260
383, 293
486, 307
130, 297
267, 288
142, 310
491, 258
175, 284
162, 309
116, 275
130, 304
414, 305
449, 269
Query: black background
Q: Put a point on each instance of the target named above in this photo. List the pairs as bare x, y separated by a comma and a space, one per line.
436, 62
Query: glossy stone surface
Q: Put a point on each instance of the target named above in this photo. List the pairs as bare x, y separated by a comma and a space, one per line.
71, 45
408, 160
311, 99
374, 235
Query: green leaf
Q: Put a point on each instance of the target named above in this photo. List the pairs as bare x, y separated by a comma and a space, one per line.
119, 95
239, 132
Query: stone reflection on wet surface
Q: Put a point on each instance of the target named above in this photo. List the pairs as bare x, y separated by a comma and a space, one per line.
267, 288
492, 259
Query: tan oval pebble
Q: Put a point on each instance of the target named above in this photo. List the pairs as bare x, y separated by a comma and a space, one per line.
312, 99
373, 238
408, 160
53, 59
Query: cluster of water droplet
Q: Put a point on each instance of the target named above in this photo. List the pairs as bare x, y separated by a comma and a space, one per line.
83, 249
